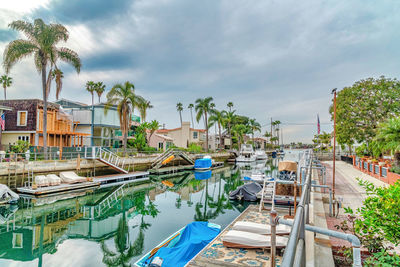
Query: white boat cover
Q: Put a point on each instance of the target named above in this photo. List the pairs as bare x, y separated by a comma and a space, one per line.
7, 194
252, 239
259, 228
71, 177
41, 180
53, 179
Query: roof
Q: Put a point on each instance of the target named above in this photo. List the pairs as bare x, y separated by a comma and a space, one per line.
164, 137
5, 108
38, 102
176, 129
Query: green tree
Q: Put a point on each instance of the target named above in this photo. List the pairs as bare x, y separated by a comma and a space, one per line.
57, 75
254, 127
230, 106
388, 138
126, 100
203, 108
179, 108
217, 117
6, 81
41, 43
230, 118
239, 130
153, 127
191, 106
143, 106
99, 89
362, 106
91, 87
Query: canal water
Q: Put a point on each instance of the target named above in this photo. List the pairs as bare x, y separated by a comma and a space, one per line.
115, 226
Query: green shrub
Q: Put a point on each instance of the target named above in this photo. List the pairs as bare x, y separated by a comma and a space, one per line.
20, 147
383, 258
194, 148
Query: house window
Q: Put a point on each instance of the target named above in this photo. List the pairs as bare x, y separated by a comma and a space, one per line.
17, 241
22, 118
160, 145
195, 135
23, 138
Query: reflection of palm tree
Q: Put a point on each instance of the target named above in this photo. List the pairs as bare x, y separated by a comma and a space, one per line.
178, 202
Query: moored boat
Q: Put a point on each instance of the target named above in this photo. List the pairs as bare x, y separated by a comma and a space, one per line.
246, 154
182, 246
261, 155
203, 163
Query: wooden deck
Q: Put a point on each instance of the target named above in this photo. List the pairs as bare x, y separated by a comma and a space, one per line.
215, 254
57, 188
119, 178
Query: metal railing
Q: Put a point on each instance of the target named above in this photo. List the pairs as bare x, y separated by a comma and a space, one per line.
295, 252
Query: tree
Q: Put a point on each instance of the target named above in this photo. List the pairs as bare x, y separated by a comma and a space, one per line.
239, 130
143, 106
99, 89
217, 117
203, 108
57, 75
254, 127
41, 43
362, 106
126, 100
6, 81
191, 106
388, 136
275, 125
230, 118
179, 108
153, 127
324, 139
230, 106
91, 87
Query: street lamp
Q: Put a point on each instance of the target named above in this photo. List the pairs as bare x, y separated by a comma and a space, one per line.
334, 141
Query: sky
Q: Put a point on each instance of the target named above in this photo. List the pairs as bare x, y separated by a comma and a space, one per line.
271, 58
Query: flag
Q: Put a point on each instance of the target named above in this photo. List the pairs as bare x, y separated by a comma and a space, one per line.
318, 125
3, 121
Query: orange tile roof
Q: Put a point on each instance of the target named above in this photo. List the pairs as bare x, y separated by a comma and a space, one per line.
175, 129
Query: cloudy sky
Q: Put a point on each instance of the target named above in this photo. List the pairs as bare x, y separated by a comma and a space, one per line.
271, 58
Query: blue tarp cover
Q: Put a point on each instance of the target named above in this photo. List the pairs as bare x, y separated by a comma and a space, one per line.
202, 163
202, 175
194, 238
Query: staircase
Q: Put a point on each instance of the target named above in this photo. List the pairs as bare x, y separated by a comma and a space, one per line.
157, 163
107, 157
268, 194
104, 204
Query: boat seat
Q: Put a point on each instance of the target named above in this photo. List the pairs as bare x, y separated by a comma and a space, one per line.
241, 239
259, 228
41, 180
53, 179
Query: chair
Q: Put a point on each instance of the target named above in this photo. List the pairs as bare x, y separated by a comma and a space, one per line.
53, 179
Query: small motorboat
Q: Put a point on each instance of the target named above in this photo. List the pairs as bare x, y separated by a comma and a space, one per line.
203, 163
182, 246
260, 155
246, 154
246, 192
7, 196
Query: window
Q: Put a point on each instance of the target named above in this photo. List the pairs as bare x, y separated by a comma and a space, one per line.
22, 118
17, 241
160, 145
195, 135
23, 138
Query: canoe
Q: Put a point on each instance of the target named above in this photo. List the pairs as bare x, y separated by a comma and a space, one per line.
167, 160
182, 246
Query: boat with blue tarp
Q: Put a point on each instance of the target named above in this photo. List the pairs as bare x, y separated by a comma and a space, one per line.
203, 163
182, 246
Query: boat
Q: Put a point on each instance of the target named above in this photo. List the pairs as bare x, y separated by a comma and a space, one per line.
202, 175
182, 246
260, 155
287, 170
7, 196
246, 154
204, 163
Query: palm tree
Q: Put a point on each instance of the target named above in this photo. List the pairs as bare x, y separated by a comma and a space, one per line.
58, 75
99, 89
217, 117
124, 97
229, 121
254, 127
143, 106
42, 41
153, 127
6, 82
91, 87
230, 106
203, 107
191, 106
179, 108
239, 130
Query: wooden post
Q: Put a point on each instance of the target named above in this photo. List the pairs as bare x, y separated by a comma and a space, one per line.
78, 162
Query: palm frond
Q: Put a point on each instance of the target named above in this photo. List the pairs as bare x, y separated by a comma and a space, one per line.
70, 57
17, 50
60, 32
25, 27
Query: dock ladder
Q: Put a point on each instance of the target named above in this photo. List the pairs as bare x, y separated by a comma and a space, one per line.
269, 192
107, 157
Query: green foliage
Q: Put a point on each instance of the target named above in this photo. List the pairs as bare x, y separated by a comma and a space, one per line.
383, 258
20, 147
194, 148
362, 150
324, 139
362, 106
388, 138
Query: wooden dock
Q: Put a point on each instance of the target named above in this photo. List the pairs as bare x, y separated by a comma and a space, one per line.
120, 178
181, 168
215, 254
57, 188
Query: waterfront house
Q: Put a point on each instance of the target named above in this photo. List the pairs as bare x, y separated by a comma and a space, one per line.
160, 141
25, 122
184, 135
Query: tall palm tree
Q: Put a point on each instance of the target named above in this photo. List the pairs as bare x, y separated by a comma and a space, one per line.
239, 130
203, 107
143, 106
41, 43
126, 100
179, 108
6, 81
91, 87
57, 75
153, 127
230, 106
230, 117
254, 127
191, 106
99, 88
217, 117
